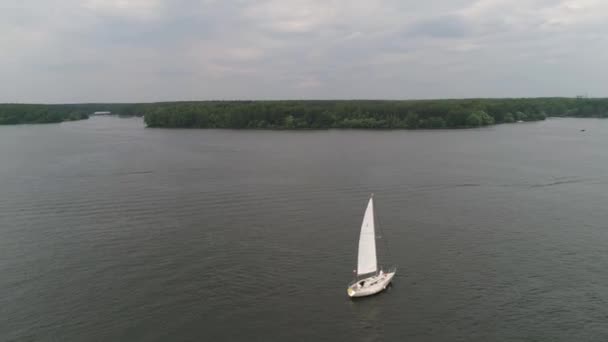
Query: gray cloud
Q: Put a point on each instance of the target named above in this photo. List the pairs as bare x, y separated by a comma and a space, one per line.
150, 50
446, 26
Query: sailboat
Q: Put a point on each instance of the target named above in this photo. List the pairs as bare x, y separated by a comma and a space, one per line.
369, 279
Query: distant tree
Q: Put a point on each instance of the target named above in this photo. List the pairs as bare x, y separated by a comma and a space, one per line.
412, 121
486, 119
435, 122
456, 117
521, 116
289, 122
474, 120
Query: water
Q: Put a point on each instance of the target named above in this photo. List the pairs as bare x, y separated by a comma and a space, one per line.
110, 231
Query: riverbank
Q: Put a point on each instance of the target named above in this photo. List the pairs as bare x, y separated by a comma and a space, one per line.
321, 114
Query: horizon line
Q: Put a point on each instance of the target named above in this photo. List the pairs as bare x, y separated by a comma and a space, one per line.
294, 100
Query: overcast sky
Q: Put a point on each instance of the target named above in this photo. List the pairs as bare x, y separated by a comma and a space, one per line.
153, 50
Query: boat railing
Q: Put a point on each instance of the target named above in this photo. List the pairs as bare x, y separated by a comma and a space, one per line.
390, 269
360, 278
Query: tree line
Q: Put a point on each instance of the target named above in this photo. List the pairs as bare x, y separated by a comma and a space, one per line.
317, 114
14, 113
418, 114
11, 114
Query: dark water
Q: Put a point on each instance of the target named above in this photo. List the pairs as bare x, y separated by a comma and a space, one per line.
109, 231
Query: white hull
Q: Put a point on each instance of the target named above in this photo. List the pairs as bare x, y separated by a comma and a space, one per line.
370, 285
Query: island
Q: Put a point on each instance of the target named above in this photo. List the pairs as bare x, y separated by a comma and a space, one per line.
367, 114
321, 114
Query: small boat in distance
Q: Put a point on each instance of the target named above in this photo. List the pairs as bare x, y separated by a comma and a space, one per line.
368, 279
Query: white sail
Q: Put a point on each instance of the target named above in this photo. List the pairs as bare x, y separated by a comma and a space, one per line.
366, 262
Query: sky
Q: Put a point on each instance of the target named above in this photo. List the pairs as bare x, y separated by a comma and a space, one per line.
68, 51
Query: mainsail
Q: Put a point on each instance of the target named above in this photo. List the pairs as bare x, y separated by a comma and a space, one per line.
366, 262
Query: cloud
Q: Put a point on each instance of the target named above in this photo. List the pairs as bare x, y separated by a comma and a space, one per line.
136, 9
447, 26
149, 50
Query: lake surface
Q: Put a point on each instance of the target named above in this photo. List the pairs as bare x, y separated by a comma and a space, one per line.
110, 231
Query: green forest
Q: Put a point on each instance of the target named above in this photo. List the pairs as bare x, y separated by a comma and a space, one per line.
11, 114
420, 114
317, 114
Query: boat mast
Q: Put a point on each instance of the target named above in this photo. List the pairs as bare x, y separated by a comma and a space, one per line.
375, 231
387, 255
